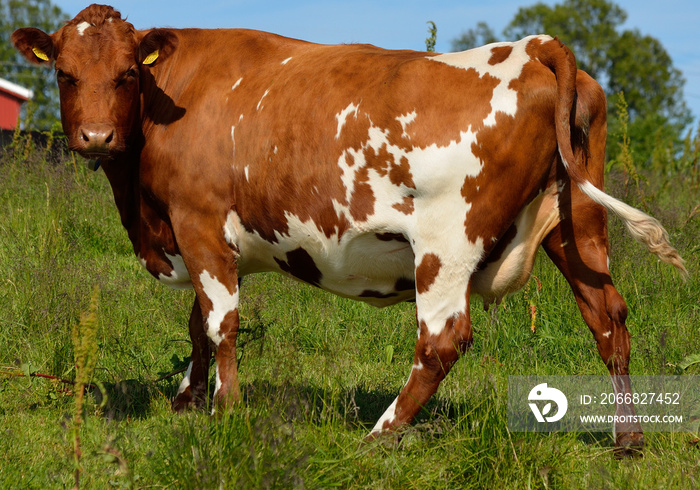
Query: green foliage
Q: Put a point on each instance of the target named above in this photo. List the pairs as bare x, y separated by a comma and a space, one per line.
621, 60
642, 69
316, 370
474, 37
432, 38
48, 17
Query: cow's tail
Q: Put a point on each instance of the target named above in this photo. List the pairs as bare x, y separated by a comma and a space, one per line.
641, 226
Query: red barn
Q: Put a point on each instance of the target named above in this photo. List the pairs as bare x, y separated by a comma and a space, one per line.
11, 98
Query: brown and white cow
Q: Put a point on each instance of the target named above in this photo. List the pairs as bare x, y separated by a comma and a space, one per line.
382, 176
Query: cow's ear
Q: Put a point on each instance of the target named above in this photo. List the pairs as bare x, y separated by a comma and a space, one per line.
35, 45
157, 46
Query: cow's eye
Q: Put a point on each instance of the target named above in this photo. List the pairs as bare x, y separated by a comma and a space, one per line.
128, 76
64, 78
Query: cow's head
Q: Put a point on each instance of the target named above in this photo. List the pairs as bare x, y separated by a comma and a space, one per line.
99, 60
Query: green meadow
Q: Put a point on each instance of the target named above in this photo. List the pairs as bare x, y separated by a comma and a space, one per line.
316, 370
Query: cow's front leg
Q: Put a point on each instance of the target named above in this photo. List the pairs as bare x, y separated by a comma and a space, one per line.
211, 263
193, 389
218, 295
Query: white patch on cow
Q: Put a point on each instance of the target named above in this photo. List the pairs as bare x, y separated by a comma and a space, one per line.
446, 298
405, 120
259, 106
388, 416
238, 82
186, 380
438, 173
217, 381
342, 116
82, 27
223, 302
350, 265
233, 139
607, 334
231, 229
607, 261
179, 278
563, 160
418, 367
505, 99
284, 62
217, 387
245, 170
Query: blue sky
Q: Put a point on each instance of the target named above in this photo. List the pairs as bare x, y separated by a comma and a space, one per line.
402, 24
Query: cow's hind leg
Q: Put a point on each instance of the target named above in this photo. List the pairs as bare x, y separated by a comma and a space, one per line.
579, 248
193, 389
444, 333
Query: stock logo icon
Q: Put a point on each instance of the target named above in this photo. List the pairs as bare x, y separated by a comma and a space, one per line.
543, 393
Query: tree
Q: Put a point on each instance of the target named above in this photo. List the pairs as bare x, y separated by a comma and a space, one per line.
621, 60
476, 36
49, 18
588, 27
641, 68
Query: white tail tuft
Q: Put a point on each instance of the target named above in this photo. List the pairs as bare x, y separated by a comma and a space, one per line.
641, 226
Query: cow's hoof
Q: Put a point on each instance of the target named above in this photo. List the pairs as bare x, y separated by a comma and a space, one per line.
629, 445
386, 438
182, 403
187, 401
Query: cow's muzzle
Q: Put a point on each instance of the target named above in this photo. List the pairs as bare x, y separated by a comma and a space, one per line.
95, 140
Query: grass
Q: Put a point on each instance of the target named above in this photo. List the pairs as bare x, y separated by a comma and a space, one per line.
316, 370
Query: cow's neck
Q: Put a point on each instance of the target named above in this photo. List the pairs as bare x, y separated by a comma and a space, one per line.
123, 175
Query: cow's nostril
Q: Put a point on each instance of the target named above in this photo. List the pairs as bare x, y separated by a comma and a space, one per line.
97, 138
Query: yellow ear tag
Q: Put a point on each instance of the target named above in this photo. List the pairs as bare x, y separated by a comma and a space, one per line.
151, 58
40, 54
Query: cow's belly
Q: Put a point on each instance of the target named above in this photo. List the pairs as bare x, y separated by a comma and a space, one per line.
374, 267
